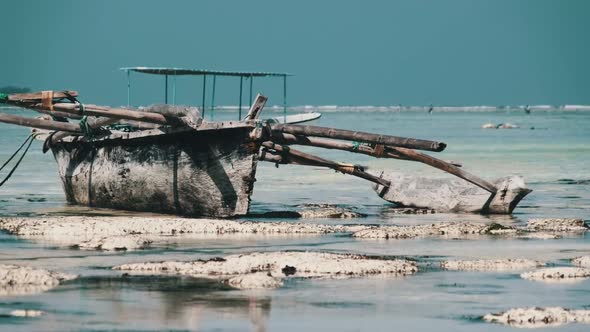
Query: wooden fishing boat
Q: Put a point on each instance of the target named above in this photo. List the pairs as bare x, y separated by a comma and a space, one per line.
168, 159
204, 172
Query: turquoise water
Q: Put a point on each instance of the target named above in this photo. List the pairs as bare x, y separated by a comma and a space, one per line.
554, 158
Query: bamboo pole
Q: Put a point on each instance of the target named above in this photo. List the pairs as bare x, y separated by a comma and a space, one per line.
39, 123
359, 136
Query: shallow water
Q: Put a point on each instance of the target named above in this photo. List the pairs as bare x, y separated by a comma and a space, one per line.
554, 158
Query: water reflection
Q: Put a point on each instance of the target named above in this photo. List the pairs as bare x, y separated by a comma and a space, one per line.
169, 301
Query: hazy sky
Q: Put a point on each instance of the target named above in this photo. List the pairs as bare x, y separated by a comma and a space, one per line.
459, 52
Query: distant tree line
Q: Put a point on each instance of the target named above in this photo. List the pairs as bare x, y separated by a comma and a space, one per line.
14, 89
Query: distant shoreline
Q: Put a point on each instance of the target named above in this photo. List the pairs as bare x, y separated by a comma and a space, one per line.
397, 108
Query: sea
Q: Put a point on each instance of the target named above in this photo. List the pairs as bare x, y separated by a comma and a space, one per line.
550, 149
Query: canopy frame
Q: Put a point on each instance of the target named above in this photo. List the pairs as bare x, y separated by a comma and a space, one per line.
174, 72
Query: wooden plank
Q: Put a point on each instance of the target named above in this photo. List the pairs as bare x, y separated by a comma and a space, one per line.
256, 107
411, 143
294, 118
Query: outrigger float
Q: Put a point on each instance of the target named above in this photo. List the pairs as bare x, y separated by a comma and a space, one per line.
169, 159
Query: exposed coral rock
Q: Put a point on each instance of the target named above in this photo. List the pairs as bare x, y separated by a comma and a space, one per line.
310, 211
255, 281
557, 274
557, 224
583, 261
92, 227
410, 210
442, 229
116, 243
539, 317
539, 236
305, 264
20, 280
491, 264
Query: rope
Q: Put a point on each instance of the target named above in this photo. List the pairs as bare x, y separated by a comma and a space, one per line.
355, 145
85, 128
81, 107
29, 140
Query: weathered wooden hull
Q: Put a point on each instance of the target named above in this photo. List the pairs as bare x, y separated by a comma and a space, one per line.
192, 173
453, 195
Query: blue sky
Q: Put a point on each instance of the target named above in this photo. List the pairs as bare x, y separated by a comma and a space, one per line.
455, 52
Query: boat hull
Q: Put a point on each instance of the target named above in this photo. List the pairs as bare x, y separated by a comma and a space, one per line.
452, 195
209, 173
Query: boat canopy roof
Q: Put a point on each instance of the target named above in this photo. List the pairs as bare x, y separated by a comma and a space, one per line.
212, 75
198, 72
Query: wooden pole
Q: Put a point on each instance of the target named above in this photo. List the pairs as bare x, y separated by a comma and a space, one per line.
327, 143
388, 152
116, 113
302, 158
350, 135
39, 123
93, 124
442, 165
36, 96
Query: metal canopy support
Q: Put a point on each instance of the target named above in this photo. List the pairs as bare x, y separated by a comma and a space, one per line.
128, 88
285, 99
213, 98
174, 90
204, 90
240, 104
250, 100
166, 89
